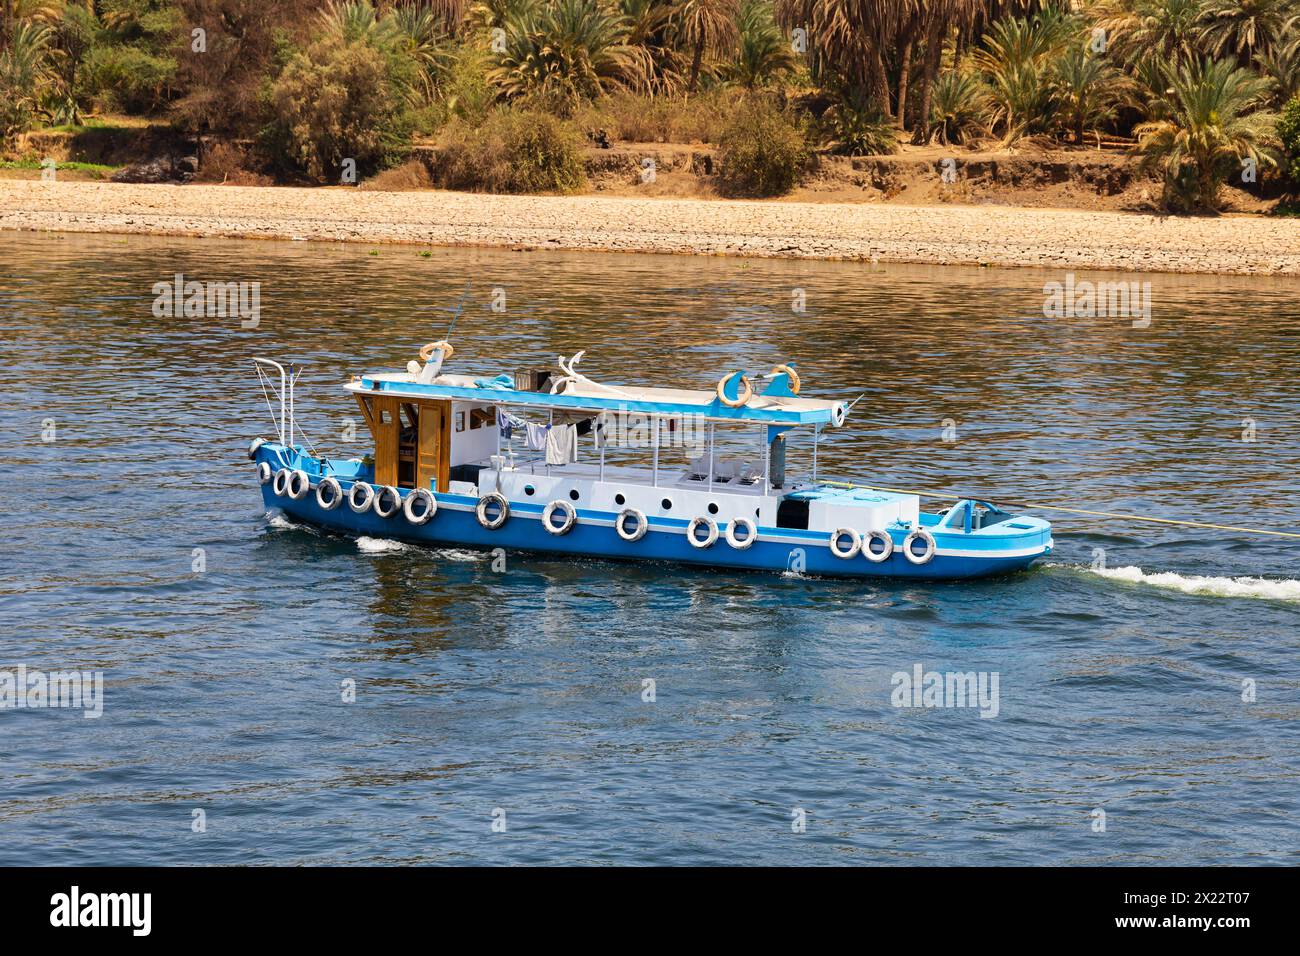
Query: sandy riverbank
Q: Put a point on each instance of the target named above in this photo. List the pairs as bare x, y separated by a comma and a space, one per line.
954, 235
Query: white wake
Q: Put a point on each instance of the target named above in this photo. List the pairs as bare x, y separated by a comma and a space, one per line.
378, 545
1284, 590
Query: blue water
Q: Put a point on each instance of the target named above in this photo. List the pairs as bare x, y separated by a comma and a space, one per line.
522, 691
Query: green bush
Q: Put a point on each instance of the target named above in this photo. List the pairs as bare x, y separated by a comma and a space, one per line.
1288, 131
762, 152
338, 100
858, 127
511, 151
636, 118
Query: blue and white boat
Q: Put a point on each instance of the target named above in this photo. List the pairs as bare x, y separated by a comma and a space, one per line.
554, 462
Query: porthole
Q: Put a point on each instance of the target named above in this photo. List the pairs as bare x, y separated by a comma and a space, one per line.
619, 499
713, 508
529, 490
667, 504
573, 494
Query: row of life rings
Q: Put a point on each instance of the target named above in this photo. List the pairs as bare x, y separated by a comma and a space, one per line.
419, 506
493, 511
631, 524
877, 546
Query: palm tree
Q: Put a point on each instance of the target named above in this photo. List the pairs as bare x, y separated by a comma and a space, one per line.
705, 25
1143, 29
417, 31
764, 52
1086, 88
23, 70
960, 106
564, 52
649, 36
848, 39
1209, 130
1016, 57
937, 18
1244, 28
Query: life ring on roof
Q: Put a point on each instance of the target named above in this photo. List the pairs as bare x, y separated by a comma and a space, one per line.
503, 511
570, 517
746, 391
329, 493
919, 534
794, 377
426, 353
849, 552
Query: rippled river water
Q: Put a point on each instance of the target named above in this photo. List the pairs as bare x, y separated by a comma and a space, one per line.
1125, 688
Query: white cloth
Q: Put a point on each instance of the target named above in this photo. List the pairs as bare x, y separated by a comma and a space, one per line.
562, 444
536, 437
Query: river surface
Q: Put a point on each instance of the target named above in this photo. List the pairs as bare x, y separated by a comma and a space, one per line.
1148, 706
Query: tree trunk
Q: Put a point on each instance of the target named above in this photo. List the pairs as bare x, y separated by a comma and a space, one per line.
695, 65
904, 74
933, 53
880, 79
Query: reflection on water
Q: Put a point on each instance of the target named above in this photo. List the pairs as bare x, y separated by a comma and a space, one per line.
524, 690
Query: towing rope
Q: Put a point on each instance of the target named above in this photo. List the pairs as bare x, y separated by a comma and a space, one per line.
1076, 511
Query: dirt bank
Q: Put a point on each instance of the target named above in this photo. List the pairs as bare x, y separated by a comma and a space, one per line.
946, 234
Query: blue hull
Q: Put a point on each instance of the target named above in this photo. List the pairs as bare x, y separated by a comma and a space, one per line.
777, 549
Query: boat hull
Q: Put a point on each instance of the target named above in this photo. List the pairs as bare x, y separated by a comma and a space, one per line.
593, 536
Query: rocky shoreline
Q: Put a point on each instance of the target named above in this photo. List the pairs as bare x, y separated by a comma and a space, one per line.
944, 235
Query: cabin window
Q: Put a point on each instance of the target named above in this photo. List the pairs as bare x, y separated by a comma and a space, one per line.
460, 421
529, 490
573, 495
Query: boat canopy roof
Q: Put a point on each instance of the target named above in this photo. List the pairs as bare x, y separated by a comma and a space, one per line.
587, 395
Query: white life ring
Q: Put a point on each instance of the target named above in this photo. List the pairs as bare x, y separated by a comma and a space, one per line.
480, 511
331, 484
360, 497
253, 446
280, 484
751, 533
383, 496
852, 549
430, 506
930, 546
264, 473
642, 525
708, 540
570, 517
299, 484
877, 556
